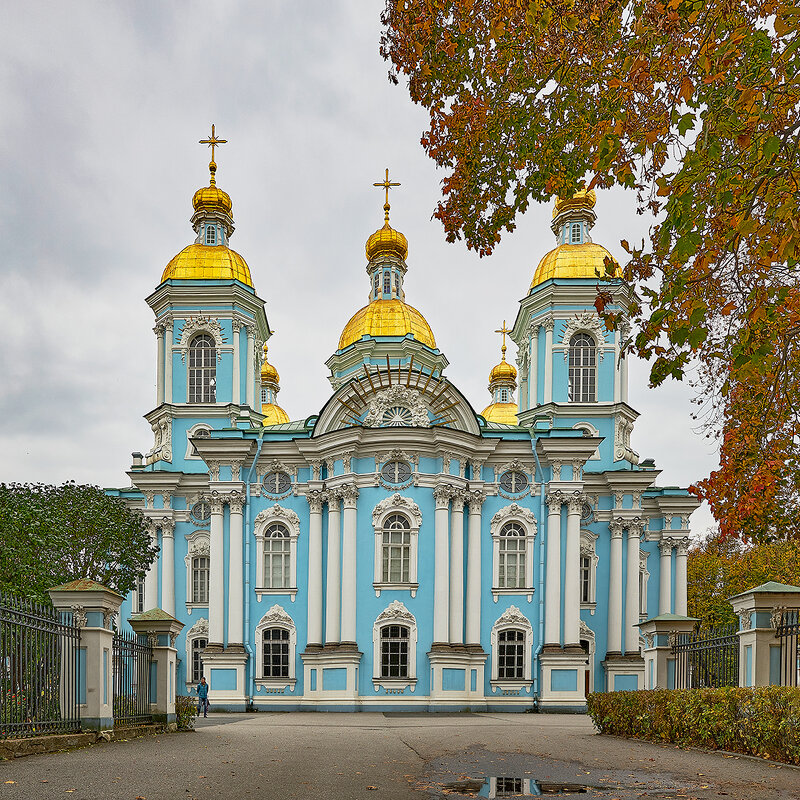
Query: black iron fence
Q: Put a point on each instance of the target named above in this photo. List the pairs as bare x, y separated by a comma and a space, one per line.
39, 669
787, 629
707, 658
133, 662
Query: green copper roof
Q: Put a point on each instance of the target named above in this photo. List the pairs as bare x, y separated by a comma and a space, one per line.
771, 587
87, 585
152, 615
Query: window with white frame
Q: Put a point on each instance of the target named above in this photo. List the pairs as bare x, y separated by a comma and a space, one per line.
511, 654
200, 573
387, 282
199, 431
396, 521
202, 370
396, 472
582, 369
511, 642
198, 569
200, 512
513, 531
588, 569
277, 482
139, 599
197, 646
211, 234
376, 284
276, 648
575, 233
586, 578
394, 637
276, 531
513, 481
196, 642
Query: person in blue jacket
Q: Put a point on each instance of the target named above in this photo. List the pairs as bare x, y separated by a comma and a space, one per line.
202, 697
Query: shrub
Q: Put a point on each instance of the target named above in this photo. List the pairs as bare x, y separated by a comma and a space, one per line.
763, 721
185, 710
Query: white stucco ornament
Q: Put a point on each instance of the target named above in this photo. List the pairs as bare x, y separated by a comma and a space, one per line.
201, 324
397, 406
397, 503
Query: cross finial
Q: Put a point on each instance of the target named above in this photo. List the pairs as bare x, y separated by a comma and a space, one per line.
504, 330
213, 142
386, 184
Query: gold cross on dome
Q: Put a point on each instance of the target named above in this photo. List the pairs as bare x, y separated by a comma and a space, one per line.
504, 331
386, 184
213, 142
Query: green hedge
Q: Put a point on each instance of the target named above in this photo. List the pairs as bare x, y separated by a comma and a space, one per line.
761, 722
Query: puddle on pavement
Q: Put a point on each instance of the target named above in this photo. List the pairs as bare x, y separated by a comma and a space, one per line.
510, 786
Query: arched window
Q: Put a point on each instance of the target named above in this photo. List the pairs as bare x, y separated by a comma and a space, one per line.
275, 653
211, 234
202, 370
200, 572
511, 654
575, 233
396, 549
198, 645
277, 557
582, 369
511, 566
276, 648
394, 651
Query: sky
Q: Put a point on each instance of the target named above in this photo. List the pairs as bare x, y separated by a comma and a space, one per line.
103, 104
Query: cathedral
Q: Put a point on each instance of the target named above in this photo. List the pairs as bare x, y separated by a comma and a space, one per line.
391, 548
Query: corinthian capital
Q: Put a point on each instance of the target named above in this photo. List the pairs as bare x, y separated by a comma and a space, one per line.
315, 500
475, 500
349, 493
665, 546
576, 502
616, 528
554, 501
442, 494
167, 525
236, 501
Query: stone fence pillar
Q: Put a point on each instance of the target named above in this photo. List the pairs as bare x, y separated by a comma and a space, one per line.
759, 648
659, 663
161, 630
93, 607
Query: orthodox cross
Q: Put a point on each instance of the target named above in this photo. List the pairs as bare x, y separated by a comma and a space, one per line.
213, 143
386, 184
504, 331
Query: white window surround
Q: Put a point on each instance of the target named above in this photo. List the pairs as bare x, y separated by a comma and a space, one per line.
589, 430
191, 455
396, 504
276, 617
262, 521
525, 518
512, 619
198, 631
589, 548
395, 614
198, 545
587, 634
644, 575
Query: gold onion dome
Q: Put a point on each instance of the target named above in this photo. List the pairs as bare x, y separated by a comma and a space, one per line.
503, 371
387, 318
387, 240
585, 260
268, 373
273, 413
202, 262
211, 198
504, 413
581, 199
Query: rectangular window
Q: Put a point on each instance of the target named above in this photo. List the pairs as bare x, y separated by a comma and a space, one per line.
508, 787
396, 554
276, 563
376, 283
276, 653
140, 596
387, 285
200, 570
511, 566
586, 578
575, 235
198, 645
394, 651
211, 235
511, 654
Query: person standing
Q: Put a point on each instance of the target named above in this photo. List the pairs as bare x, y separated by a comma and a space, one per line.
202, 697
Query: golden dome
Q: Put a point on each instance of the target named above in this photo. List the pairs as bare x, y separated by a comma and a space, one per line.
268, 373
200, 262
387, 318
503, 372
273, 414
581, 199
387, 240
210, 198
505, 413
574, 261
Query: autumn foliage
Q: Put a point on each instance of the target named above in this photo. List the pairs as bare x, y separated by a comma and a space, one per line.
692, 104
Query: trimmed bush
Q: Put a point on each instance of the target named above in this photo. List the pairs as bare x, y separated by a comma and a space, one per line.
186, 711
764, 721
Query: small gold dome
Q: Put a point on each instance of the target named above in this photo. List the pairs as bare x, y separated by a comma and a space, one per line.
387, 318
581, 199
505, 413
273, 414
574, 261
387, 240
210, 198
200, 262
268, 373
503, 372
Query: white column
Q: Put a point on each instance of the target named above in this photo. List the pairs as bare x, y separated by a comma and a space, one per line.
615, 590
216, 576
168, 566
533, 370
665, 578
151, 578
632, 590
457, 569
617, 368
333, 590
237, 379
315, 501
236, 573
169, 338
681, 554
552, 586
251, 362
572, 572
349, 519
548, 361
159, 329
441, 566
624, 380
474, 568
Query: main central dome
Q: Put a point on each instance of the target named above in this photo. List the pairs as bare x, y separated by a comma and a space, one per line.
387, 318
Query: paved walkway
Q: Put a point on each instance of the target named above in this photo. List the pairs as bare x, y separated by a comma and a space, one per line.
391, 757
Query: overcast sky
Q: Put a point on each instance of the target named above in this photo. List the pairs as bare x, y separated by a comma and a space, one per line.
103, 104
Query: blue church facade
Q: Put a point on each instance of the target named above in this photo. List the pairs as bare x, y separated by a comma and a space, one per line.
397, 550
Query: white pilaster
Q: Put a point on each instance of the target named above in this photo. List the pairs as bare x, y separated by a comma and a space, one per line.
533, 360
552, 586
441, 567
632, 590
615, 590
572, 572
665, 578
681, 553
159, 329
168, 566
236, 572
457, 569
624, 380
237, 379
617, 368
315, 501
333, 590
216, 575
474, 568
169, 339
548, 360
151, 599
251, 364
349, 520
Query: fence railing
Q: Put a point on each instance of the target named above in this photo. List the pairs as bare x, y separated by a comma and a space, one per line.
132, 666
707, 658
39, 669
787, 629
